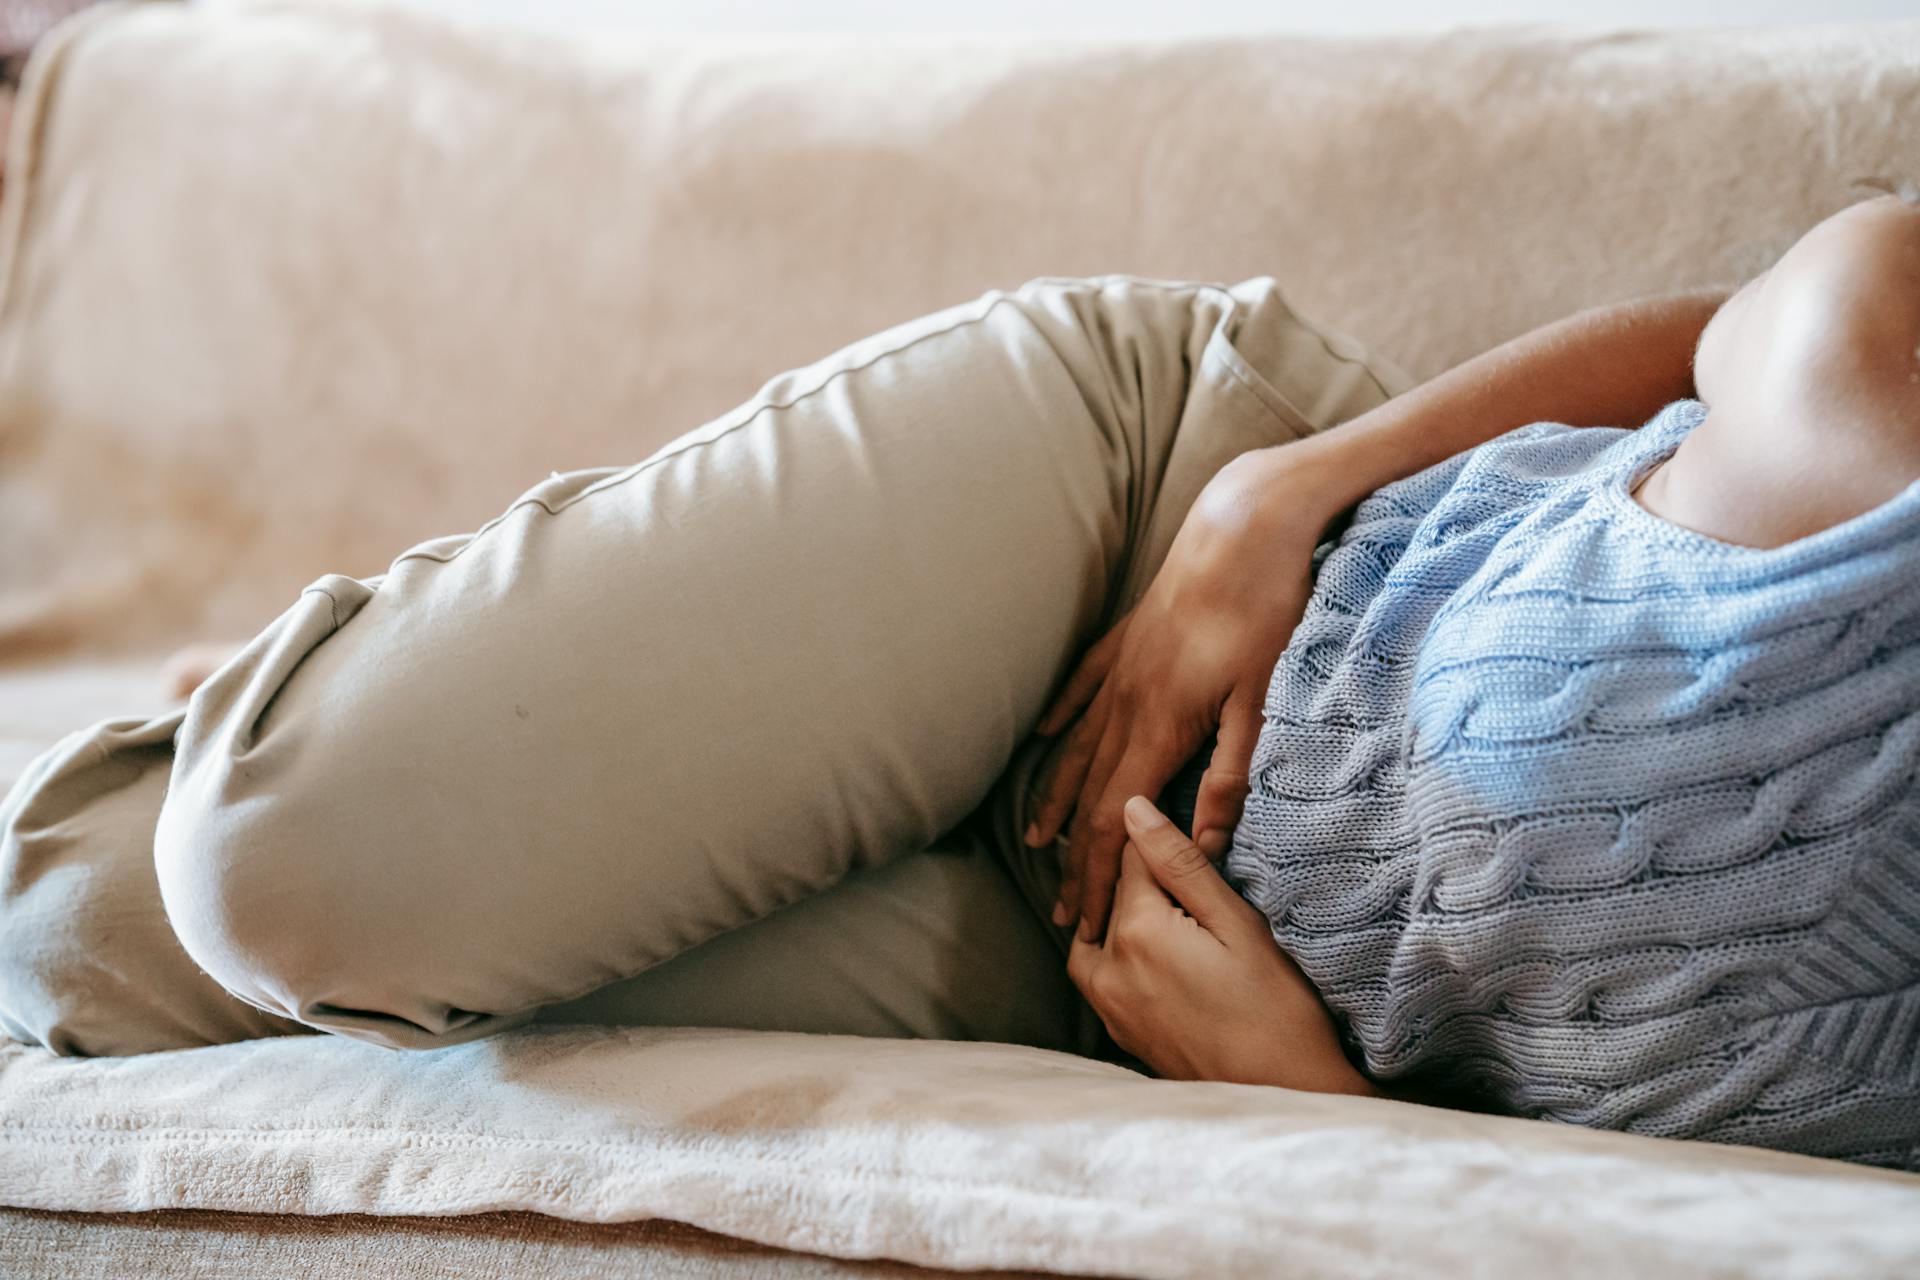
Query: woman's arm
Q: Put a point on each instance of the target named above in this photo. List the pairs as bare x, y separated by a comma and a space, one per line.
1193, 657
1611, 366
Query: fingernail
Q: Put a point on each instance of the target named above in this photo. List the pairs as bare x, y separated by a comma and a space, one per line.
1060, 913
1212, 842
1033, 833
1141, 810
1086, 931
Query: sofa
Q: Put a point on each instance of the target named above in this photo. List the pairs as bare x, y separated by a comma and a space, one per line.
288, 286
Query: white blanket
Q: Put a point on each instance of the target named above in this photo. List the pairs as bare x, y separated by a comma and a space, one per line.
954, 1155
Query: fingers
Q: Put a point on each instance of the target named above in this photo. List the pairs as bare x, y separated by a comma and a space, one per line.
1140, 907
1223, 788
1138, 899
1084, 682
1179, 867
1093, 828
1070, 773
1083, 958
1142, 770
1086, 689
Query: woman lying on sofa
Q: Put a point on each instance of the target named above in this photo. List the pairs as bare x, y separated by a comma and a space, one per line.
1583, 788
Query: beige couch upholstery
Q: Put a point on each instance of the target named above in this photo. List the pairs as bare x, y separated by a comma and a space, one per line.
287, 287
286, 293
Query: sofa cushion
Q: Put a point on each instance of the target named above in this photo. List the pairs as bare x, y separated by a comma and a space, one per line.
288, 287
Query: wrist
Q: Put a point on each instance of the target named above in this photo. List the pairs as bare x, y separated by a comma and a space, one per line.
1330, 472
1344, 463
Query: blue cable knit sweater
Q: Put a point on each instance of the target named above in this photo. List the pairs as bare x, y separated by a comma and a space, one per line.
1611, 822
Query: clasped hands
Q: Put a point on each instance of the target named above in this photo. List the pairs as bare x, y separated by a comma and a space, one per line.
1183, 971
1190, 982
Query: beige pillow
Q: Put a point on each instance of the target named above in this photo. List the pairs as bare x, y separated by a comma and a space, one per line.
289, 287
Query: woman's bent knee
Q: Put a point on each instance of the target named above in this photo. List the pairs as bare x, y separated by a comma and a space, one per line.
218, 861
268, 834
258, 899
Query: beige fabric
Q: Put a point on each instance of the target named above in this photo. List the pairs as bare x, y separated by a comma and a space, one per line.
449, 262
87, 964
42, 702
178, 1244
956, 1155
233, 358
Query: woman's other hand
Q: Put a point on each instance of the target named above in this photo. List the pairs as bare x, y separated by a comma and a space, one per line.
1191, 659
1197, 652
1190, 981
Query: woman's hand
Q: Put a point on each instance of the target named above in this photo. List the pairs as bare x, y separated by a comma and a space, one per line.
1193, 657
1197, 652
1190, 981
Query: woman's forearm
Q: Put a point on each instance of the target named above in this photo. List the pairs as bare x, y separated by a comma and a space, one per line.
1611, 366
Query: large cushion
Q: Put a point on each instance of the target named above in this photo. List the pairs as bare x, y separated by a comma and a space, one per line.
943, 1154
289, 287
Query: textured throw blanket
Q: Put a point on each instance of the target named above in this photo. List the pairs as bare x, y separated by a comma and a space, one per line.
956, 1155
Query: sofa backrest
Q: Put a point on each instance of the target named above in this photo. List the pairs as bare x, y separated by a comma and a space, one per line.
287, 287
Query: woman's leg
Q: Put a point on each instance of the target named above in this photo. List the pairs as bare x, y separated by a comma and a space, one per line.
645, 707
936, 944
87, 962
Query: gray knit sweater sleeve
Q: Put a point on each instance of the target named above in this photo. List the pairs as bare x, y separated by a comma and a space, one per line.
1609, 821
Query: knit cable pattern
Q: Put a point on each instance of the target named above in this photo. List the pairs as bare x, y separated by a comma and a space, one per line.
1607, 820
